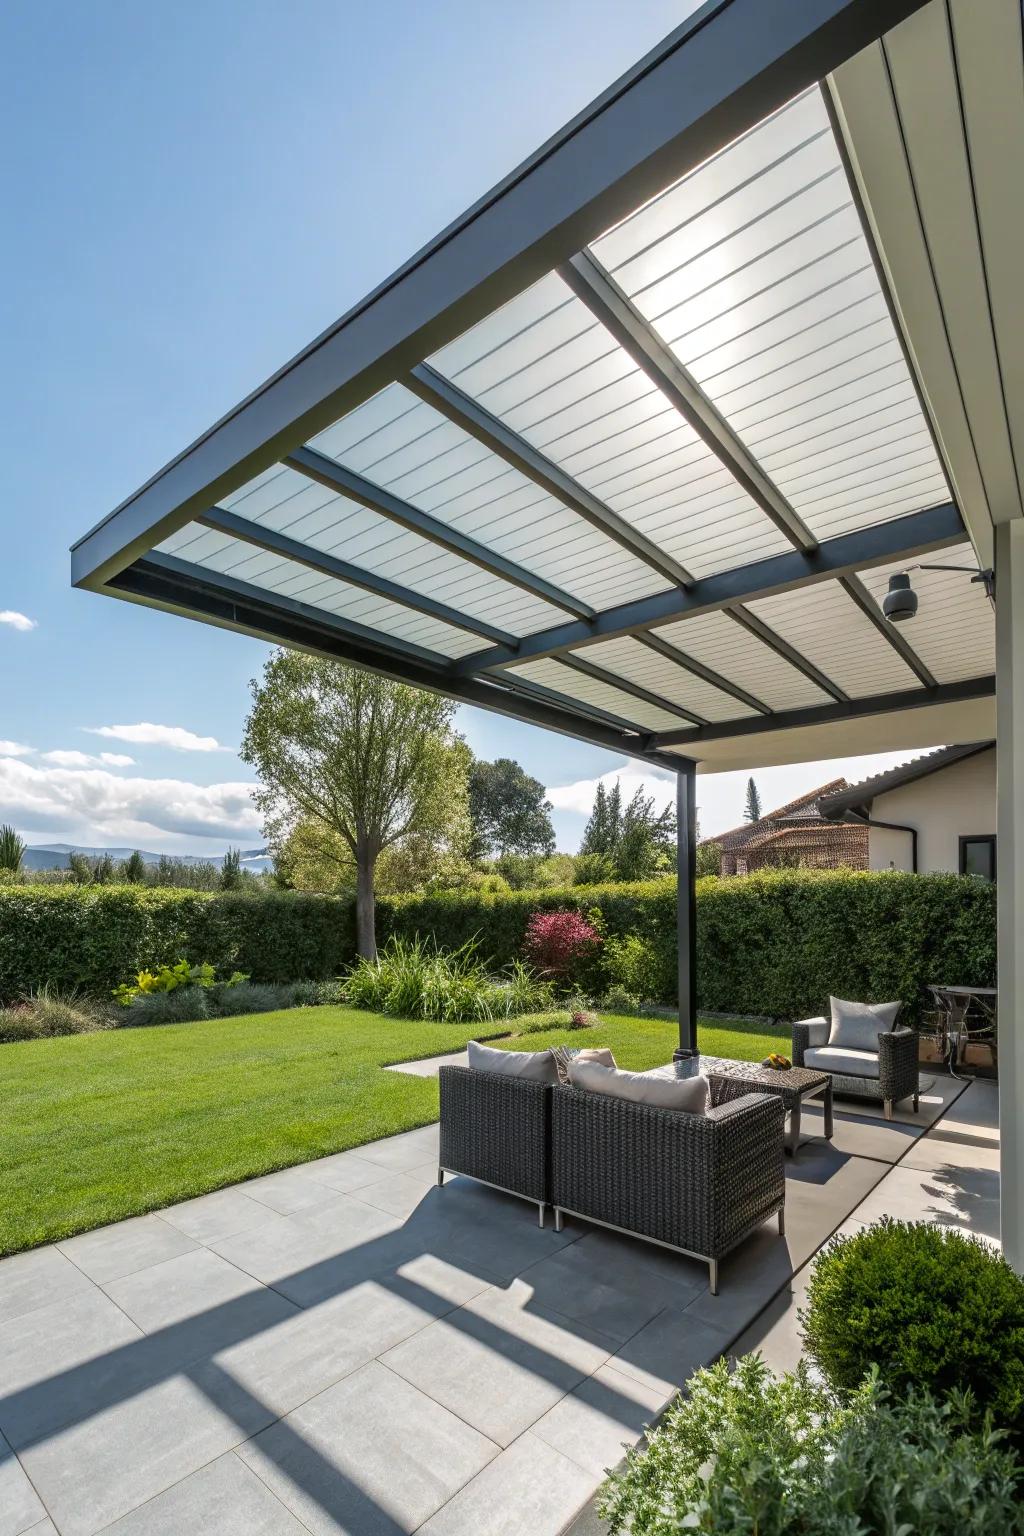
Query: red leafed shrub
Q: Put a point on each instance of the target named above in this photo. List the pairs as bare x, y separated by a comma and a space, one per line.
557, 943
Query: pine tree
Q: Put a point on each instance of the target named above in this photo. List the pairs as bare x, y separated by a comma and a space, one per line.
595, 836
753, 808
231, 870
134, 869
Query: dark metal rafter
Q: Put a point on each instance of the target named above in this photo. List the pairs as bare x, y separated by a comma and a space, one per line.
270, 539
902, 538
654, 642
774, 641
467, 413
609, 304
625, 685
827, 714
163, 581
327, 472
855, 588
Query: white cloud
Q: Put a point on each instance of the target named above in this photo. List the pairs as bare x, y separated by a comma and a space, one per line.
148, 735
632, 776
68, 759
14, 749
117, 759
91, 804
16, 620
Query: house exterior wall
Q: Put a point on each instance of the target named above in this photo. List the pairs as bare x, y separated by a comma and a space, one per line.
958, 801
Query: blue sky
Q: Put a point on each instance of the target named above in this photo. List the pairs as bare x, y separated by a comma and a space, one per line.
191, 193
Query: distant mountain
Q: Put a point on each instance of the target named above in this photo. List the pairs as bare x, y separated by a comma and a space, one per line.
57, 856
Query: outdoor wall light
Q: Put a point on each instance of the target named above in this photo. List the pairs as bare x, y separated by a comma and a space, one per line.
900, 602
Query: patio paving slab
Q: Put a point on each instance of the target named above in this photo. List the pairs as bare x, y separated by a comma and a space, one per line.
220, 1214
223, 1498
617, 1298
399, 1193
38, 1279
952, 1196
20, 1505
530, 1488
344, 1171
207, 1302
125, 1246
600, 1419
97, 1469
500, 1362
371, 1456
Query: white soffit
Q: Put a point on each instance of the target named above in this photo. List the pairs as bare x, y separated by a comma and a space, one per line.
954, 629
824, 624
933, 117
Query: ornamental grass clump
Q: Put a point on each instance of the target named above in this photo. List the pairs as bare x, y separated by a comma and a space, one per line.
747, 1453
413, 979
928, 1307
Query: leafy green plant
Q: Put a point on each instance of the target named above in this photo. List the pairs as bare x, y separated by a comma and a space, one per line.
619, 999
928, 1307
182, 1005
168, 978
413, 979
747, 1453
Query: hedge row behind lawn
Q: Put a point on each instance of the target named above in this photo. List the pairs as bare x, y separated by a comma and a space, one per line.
94, 937
773, 944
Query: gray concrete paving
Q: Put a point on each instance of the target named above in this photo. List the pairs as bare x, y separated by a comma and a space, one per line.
346, 1347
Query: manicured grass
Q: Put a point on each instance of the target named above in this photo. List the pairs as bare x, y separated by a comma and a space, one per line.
103, 1126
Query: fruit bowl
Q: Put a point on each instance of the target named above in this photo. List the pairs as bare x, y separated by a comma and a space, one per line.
777, 1062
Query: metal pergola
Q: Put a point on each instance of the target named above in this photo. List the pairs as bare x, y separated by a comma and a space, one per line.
632, 448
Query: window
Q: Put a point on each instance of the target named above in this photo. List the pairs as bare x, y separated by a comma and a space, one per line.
978, 857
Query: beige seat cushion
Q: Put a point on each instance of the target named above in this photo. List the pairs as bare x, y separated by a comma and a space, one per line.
834, 1058
532, 1066
857, 1026
687, 1093
564, 1054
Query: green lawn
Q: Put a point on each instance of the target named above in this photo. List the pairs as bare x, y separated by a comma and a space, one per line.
98, 1127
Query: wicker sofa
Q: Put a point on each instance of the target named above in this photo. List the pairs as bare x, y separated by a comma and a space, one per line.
497, 1129
889, 1075
696, 1183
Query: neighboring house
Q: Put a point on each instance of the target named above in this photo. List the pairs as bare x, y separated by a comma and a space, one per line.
936, 813
796, 836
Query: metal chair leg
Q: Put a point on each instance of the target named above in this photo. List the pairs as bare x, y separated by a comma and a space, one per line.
917, 1100
540, 1213
713, 1276
888, 1109
558, 1219
440, 1177
782, 1221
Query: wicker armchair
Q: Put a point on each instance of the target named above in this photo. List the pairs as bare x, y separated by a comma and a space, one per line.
497, 1129
889, 1075
697, 1183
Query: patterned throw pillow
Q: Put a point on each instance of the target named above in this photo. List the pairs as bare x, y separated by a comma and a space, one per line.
563, 1054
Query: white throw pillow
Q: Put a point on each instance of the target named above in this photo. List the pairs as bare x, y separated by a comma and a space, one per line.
533, 1066
857, 1026
686, 1093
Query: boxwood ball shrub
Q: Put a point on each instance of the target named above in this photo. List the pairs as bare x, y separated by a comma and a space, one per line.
927, 1306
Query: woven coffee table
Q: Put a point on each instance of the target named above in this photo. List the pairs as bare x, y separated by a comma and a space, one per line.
795, 1085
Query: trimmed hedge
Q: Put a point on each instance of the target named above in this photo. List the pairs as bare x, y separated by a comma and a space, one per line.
775, 943
96, 936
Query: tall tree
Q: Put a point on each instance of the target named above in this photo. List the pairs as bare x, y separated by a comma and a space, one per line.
647, 840
509, 811
231, 870
604, 828
371, 760
12, 850
752, 811
133, 871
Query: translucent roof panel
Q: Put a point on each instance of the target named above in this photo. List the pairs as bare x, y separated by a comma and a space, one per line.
290, 503
554, 675
548, 369
218, 552
398, 442
954, 629
756, 272
640, 664
825, 624
718, 641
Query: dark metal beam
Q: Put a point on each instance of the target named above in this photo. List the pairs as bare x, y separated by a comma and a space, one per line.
609, 304
686, 908
904, 538
269, 539
723, 70
654, 642
774, 641
162, 581
467, 413
326, 472
826, 714
856, 589
614, 680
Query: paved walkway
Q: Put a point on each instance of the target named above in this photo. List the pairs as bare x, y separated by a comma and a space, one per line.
344, 1347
